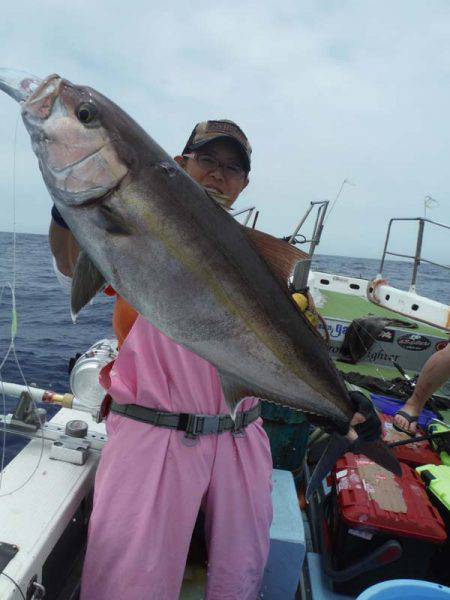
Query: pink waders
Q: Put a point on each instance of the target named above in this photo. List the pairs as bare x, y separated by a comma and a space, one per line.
150, 485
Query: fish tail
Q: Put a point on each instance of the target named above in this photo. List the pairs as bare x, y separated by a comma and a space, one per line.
379, 453
339, 445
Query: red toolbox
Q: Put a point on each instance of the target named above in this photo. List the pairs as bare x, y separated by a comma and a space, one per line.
414, 455
380, 526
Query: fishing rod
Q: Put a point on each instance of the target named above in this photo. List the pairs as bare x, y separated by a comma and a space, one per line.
28, 420
51, 432
15, 390
420, 438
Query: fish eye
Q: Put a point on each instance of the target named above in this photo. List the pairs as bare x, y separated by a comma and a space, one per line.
86, 112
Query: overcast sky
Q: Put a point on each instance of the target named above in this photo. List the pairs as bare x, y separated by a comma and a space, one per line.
325, 91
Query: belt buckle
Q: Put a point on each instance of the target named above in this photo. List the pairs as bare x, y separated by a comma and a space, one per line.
210, 424
238, 429
190, 438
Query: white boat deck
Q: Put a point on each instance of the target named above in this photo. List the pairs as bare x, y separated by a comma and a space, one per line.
33, 516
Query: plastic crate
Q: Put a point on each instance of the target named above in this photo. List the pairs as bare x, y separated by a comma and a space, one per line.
359, 525
441, 445
414, 455
437, 481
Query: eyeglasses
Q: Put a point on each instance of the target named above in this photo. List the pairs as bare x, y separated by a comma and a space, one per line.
209, 163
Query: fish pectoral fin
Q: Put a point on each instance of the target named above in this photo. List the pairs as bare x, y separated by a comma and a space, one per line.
87, 281
338, 445
280, 256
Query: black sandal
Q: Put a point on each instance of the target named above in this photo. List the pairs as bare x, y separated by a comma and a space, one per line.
410, 418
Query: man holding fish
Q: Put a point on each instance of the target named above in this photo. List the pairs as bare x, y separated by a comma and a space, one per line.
216, 329
168, 476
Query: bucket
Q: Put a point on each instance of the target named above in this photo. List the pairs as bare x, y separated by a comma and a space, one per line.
288, 432
412, 589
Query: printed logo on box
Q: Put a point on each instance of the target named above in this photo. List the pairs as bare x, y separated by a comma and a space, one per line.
441, 345
387, 335
335, 330
414, 342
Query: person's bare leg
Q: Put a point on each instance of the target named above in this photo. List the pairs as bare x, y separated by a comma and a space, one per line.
435, 373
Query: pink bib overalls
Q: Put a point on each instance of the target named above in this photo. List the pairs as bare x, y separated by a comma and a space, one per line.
150, 484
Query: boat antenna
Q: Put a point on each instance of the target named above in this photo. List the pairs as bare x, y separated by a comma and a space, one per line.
429, 202
343, 184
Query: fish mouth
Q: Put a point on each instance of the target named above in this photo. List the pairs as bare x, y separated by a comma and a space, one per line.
36, 95
38, 105
19, 85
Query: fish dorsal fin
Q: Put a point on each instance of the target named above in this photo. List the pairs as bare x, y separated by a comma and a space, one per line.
87, 281
280, 256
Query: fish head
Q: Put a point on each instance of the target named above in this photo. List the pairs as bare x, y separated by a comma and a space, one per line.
74, 134
73, 140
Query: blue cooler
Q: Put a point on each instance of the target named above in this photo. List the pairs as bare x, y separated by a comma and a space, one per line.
287, 541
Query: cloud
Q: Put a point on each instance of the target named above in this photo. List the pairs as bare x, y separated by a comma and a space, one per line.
325, 91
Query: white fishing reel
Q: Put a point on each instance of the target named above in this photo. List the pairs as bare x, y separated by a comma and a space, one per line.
84, 382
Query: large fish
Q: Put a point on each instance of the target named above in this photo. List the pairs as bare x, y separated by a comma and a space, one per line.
178, 258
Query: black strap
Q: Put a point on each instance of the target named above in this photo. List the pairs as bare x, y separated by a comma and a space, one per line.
193, 424
56, 215
7, 553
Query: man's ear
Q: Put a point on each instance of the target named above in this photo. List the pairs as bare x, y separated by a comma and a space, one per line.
180, 160
245, 184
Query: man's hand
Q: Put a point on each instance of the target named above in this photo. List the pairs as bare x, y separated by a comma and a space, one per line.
365, 422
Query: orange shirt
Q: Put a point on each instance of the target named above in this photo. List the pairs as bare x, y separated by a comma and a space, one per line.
124, 316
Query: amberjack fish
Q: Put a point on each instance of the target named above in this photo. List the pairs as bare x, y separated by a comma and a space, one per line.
208, 283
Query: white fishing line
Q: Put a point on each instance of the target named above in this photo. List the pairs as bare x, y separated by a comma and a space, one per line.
13, 331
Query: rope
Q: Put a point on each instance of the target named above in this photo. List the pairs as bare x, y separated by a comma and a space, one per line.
13, 332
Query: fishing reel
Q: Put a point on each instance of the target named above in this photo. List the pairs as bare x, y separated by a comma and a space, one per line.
85, 372
410, 382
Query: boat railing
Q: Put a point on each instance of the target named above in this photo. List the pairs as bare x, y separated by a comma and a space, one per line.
302, 268
301, 272
417, 256
249, 210
322, 207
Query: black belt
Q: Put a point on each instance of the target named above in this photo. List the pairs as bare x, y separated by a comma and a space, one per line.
193, 425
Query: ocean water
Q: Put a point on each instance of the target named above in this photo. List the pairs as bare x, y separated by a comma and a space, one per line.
46, 337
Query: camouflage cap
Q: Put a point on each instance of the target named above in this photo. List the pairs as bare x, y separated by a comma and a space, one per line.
207, 131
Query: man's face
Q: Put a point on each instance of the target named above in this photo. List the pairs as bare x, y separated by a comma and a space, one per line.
225, 152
